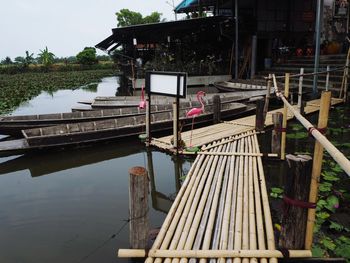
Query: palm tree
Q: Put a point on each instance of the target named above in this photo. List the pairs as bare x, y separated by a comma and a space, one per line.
46, 57
29, 59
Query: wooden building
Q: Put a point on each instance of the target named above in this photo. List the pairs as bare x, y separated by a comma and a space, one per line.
212, 41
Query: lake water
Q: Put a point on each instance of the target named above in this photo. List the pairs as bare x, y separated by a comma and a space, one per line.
67, 206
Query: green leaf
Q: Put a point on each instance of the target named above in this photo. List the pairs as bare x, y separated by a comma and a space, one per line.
276, 192
344, 239
325, 187
330, 176
336, 226
323, 215
343, 251
317, 251
332, 203
328, 243
320, 204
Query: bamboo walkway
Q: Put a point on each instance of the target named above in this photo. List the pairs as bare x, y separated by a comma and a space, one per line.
219, 131
221, 213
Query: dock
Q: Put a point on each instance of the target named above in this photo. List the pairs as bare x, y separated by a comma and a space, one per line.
222, 209
222, 212
205, 135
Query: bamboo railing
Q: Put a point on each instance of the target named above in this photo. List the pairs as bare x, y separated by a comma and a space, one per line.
331, 149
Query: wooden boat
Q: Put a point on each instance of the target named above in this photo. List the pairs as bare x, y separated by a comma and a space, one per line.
12, 125
116, 102
240, 85
95, 131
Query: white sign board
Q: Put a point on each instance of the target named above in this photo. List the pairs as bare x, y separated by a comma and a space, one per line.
166, 83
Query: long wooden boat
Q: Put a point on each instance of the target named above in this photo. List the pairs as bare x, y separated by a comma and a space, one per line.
12, 125
240, 85
116, 102
96, 131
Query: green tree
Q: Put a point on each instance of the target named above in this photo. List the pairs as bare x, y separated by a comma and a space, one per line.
19, 60
126, 17
87, 56
7, 61
154, 17
46, 57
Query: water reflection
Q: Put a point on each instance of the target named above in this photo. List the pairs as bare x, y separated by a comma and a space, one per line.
69, 215
64, 100
160, 201
40, 164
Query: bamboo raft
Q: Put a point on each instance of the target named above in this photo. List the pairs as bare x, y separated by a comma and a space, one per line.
219, 131
221, 212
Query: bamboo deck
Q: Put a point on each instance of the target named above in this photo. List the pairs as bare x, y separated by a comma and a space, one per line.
206, 135
222, 209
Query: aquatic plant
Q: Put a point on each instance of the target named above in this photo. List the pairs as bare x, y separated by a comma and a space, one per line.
18, 88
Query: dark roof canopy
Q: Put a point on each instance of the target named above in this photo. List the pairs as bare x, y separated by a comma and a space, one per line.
158, 32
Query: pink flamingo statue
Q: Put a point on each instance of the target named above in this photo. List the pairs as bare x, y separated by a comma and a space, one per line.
194, 112
142, 104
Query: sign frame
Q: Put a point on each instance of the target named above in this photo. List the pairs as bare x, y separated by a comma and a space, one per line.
176, 80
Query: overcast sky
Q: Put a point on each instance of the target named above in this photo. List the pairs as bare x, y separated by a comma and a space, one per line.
65, 26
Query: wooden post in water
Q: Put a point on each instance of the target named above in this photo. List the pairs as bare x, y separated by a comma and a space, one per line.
295, 202
175, 125
216, 109
138, 207
300, 90
302, 108
285, 117
148, 121
259, 116
277, 119
267, 98
316, 167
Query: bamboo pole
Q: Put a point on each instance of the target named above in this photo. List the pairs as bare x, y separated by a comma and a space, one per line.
123, 253
238, 154
266, 207
252, 215
218, 232
285, 117
245, 235
258, 210
316, 167
234, 166
228, 140
213, 211
228, 204
205, 217
191, 201
183, 193
178, 223
239, 213
331, 149
204, 220
188, 234
300, 90
327, 78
